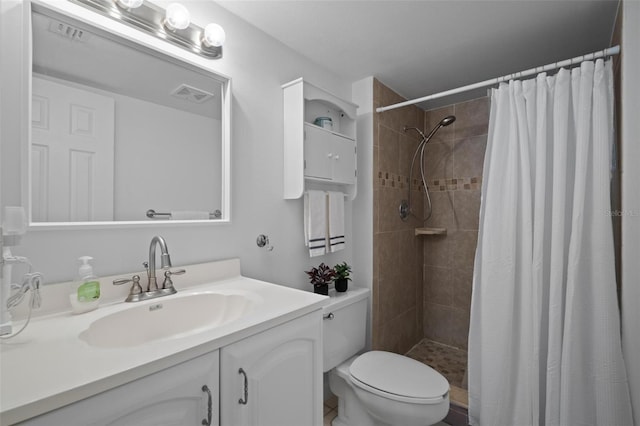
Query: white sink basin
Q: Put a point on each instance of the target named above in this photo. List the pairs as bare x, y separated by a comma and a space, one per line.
166, 317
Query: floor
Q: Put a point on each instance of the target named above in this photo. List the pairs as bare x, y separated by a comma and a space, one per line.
331, 411
449, 361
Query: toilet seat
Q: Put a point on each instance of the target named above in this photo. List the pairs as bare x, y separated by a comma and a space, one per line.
398, 378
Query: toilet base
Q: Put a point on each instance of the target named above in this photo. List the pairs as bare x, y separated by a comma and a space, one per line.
350, 411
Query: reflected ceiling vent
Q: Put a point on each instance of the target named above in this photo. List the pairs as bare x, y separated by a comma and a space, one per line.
68, 31
184, 91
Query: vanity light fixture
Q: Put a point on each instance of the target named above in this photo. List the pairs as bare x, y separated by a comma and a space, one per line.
176, 17
173, 24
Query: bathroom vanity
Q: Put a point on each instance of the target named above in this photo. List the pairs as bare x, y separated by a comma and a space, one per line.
259, 361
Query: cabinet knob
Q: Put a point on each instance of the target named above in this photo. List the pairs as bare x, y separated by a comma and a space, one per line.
337, 157
330, 155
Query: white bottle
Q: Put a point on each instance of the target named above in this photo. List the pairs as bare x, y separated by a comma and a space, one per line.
85, 291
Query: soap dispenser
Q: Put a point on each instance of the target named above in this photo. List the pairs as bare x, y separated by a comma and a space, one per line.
85, 291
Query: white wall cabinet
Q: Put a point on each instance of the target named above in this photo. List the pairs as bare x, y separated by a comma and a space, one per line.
274, 378
317, 157
173, 397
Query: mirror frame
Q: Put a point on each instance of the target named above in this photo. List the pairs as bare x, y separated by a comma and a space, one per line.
130, 36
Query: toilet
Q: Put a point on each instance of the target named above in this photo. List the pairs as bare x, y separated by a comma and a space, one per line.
375, 388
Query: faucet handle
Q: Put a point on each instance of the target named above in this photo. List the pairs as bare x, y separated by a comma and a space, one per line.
135, 287
168, 283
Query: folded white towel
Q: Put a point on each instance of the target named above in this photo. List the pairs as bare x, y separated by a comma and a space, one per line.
315, 222
336, 221
189, 215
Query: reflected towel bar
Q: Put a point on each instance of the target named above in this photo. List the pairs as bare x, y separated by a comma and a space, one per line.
152, 214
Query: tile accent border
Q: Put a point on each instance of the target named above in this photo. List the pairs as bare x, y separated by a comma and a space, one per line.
392, 180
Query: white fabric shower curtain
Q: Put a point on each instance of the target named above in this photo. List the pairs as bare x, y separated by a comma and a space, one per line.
544, 340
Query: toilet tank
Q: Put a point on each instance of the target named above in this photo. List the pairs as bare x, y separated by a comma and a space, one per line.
344, 326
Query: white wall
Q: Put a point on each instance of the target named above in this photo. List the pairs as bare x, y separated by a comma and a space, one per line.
630, 150
258, 66
166, 159
363, 204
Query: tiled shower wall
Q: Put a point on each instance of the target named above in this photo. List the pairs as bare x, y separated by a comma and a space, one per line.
397, 272
454, 161
422, 284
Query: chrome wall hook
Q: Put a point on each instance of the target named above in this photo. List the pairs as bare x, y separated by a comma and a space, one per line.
263, 242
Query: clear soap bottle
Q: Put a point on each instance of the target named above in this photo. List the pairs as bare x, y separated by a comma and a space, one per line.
85, 290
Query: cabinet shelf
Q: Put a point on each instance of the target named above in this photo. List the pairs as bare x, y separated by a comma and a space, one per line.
430, 231
332, 132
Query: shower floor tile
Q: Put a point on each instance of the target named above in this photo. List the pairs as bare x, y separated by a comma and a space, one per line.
449, 361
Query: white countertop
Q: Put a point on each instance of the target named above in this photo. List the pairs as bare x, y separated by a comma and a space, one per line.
48, 366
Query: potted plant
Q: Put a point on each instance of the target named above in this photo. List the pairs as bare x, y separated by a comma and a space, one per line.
320, 278
341, 279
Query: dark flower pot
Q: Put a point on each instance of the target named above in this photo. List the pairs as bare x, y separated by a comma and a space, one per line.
321, 289
342, 284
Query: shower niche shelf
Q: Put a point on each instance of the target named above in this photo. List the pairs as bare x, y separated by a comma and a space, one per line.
431, 231
317, 157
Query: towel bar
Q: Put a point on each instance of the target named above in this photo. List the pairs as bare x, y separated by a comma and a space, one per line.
152, 214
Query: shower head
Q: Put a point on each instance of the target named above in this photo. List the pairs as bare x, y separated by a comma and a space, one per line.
447, 120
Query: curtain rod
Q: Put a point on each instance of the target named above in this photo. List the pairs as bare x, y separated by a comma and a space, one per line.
568, 62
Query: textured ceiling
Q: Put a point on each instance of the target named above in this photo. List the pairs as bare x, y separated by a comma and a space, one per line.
421, 47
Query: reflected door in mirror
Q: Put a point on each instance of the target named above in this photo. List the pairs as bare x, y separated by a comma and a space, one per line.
72, 154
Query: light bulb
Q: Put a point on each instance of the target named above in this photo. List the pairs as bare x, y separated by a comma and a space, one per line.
177, 17
213, 35
129, 4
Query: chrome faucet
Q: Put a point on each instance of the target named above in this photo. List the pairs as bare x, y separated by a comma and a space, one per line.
165, 261
136, 294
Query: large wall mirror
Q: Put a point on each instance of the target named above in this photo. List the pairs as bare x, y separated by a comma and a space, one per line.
122, 133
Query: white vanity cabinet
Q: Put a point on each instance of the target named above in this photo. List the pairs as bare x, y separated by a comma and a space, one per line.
271, 378
274, 378
182, 395
315, 156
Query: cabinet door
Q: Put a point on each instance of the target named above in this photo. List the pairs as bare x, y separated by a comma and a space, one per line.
318, 155
172, 397
344, 159
274, 378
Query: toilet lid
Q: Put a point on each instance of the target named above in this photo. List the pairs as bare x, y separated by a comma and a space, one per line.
398, 375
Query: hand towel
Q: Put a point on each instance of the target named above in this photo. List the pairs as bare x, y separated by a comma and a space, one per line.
336, 221
189, 215
315, 222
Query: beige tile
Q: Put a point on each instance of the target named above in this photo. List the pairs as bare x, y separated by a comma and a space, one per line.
468, 156
459, 396
437, 323
436, 249
400, 334
389, 256
389, 219
396, 297
462, 286
442, 216
472, 118
459, 327
331, 402
464, 249
388, 151
407, 148
466, 207
438, 286
328, 418
438, 161
376, 209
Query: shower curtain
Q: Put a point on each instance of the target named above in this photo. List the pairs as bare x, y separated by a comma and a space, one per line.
544, 339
